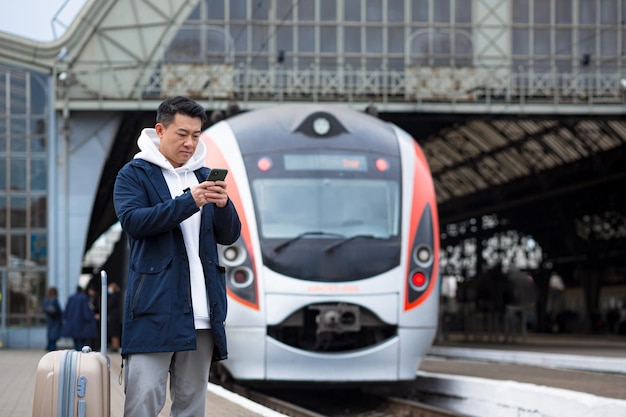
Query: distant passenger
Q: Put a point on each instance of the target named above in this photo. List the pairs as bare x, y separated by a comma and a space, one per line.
556, 287
216, 117
621, 324
114, 315
54, 318
93, 292
80, 321
232, 109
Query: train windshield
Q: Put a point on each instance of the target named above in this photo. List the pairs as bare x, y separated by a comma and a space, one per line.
333, 207
327, 217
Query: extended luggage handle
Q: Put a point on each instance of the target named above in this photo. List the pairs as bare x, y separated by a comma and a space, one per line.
103, 314
103, 318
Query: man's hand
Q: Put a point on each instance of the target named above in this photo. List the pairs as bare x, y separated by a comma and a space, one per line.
210, 192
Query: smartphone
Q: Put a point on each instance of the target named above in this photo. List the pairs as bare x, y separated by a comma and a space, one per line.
217, 174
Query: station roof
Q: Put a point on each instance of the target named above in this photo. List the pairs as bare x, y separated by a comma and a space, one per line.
560, 179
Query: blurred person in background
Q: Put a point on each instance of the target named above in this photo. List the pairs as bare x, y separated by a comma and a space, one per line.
114, 315
54, 317
80, 321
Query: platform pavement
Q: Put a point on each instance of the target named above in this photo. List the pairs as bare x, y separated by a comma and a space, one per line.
17, 384
594, 353
572, 344
544, 375
17, 368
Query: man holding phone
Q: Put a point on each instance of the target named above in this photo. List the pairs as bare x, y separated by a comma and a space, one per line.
175, 303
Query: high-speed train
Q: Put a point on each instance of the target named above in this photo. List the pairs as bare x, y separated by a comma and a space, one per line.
335, 276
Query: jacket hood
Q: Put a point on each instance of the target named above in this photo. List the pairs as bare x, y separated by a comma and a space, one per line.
149, 142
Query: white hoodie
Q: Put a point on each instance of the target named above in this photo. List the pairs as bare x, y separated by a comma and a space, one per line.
178, 179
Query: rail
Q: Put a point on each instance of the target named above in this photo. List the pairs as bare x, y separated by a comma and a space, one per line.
314, 402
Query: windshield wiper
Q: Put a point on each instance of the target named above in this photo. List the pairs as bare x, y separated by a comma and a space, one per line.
288, 242
334, 246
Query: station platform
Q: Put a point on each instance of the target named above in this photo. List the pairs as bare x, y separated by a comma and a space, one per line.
17, 384
590, 364
574, 344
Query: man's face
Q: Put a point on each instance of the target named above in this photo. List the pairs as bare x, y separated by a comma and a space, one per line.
180, 139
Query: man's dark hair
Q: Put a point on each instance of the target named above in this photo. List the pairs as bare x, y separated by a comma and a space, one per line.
179, 104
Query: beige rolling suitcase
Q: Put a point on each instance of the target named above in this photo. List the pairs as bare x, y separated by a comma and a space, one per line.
75, 384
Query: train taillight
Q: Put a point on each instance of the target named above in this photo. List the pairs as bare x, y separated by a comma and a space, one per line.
418, 280
241, 277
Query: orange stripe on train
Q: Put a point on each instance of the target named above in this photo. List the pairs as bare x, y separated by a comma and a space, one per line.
215, 158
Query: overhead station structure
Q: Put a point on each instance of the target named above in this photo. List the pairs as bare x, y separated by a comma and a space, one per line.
518, 106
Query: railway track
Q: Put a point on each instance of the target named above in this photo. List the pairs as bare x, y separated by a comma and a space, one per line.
398, 407
332, 403
271, 402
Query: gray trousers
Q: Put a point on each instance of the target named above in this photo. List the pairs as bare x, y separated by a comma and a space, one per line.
145, 380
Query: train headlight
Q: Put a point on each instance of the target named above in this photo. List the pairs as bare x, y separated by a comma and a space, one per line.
321, 126
418, 280
230, 254
233, 255
423, 256
241, 277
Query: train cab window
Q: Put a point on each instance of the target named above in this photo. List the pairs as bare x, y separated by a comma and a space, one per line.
322, 228
327, 216
288, 207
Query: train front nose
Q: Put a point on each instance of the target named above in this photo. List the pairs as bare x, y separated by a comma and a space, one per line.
332, 327
344, 342
337, 318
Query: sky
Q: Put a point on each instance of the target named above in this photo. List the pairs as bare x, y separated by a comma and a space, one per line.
33, 19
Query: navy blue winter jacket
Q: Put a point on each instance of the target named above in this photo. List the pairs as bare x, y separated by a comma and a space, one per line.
158, 314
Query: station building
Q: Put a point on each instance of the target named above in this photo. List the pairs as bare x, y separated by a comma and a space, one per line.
518, 105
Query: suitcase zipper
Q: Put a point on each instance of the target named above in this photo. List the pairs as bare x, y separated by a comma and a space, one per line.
67, 377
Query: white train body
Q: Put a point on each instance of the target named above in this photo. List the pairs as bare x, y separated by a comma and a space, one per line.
335, 276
